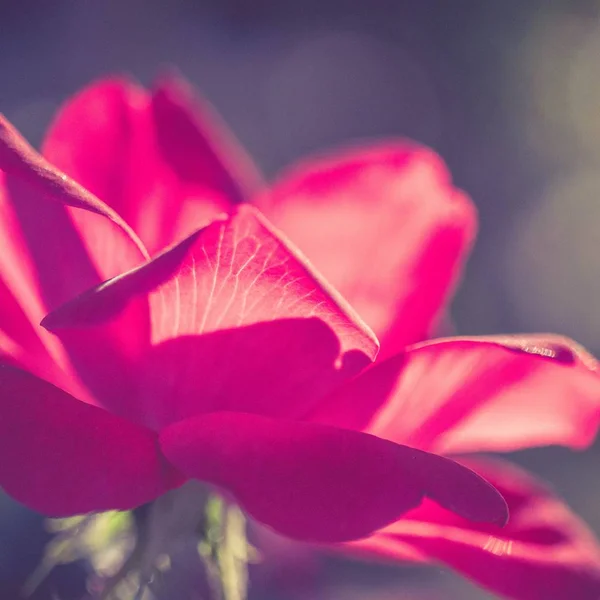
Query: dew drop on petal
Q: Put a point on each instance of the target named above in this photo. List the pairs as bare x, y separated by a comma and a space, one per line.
551, 350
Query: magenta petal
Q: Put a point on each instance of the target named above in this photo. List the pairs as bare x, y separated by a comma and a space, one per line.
163, 161
277, 369
549, 394
236, 271
197, 144
458, 395
62, 457
19, 159
544, 553
357, 403
320, 483
386, 226
101, 304
233, 273
20, 341
58, 240
99, 138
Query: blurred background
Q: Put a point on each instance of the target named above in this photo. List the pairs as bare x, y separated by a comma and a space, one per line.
507, 92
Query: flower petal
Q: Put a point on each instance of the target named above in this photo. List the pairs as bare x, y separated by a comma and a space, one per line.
197, 143
163, 161
233, 273
64, 457
551, 395
240, 271
544, 553
58, 240
111, 234
20, 341
276, 368
460, 395
385, 225
320, 483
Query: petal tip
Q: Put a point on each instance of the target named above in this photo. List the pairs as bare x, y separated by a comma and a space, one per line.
504, 515
495, 511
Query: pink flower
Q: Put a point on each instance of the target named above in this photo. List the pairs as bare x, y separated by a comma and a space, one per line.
226, 358
203, 362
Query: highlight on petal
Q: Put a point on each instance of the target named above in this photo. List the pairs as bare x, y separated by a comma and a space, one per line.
58, 240
163, 160
318, 483
20, 341
458, 395
63, 457
52, 252
554, 398
111, 298
19, 159
237, 271
60, 250
386, 226
22, 347
234, 273
544, 553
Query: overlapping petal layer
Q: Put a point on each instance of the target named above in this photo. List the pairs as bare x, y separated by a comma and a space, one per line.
544, 553
319, 483
20, 341
162, 160
58, 239
458, 395
39, 194
275, 368
64, 457
233, 273
386, 227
